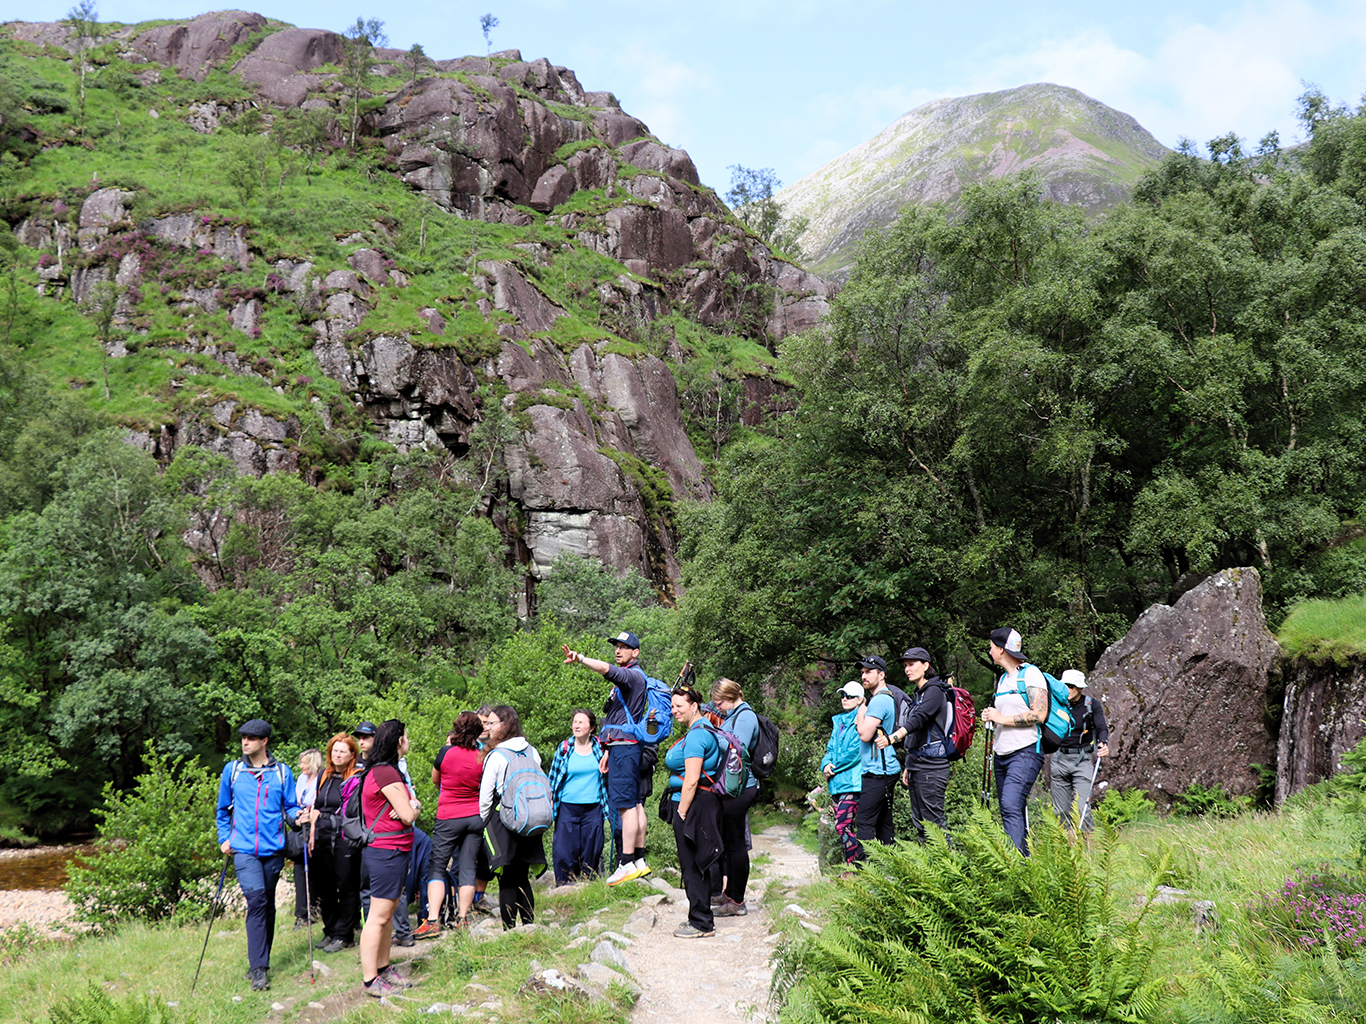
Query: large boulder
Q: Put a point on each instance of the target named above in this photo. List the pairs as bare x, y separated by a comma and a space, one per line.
1186, 691
1324, 718
277, 67
195, 47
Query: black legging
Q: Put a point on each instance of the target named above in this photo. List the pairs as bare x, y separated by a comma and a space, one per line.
734, 855
515, 895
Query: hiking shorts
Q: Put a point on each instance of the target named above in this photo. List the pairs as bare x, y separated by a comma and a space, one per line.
388, 872
623, 775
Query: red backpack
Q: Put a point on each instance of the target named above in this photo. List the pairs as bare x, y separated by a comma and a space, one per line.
963, 720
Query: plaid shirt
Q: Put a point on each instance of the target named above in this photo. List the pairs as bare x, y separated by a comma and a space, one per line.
559, 773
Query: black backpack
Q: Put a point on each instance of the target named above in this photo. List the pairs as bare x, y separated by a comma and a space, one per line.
764, 757
902, 711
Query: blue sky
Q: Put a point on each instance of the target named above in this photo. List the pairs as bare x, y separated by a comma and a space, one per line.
794, 84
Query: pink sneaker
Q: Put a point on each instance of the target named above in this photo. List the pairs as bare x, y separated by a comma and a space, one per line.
379, 987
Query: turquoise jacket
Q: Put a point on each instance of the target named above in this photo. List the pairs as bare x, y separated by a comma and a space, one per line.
845, 754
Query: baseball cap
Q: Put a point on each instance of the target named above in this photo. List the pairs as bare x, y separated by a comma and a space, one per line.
256, 727
365, 729
917, 654
626, 639
1009, 641
872, 661
852, 689
1074, 677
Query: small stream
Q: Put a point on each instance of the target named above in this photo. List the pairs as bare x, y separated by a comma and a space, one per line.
43, 867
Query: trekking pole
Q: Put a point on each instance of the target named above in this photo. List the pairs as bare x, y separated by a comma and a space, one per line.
213, 912
308, 902
1081, 821
986, 766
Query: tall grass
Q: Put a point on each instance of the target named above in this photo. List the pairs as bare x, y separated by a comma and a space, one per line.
1326, 630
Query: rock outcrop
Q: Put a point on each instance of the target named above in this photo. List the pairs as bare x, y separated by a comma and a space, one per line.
1324, 718
616, 218
1187, 690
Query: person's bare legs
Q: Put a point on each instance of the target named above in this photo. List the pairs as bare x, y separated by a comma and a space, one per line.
376, 937
465, 900
436, 894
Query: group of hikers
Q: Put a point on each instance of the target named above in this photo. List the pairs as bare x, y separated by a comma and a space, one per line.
861, 764
349, 819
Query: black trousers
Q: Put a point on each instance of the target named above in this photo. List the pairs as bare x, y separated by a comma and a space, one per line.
875, 809
734, 855
697, 864
335, 881
927, 788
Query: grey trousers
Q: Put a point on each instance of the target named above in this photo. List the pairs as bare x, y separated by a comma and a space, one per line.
1069, 783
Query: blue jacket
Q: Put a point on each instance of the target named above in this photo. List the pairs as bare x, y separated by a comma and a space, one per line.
253, 806
845, 753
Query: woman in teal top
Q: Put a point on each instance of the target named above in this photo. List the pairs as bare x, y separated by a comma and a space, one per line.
696, 824
578, 787
741, 721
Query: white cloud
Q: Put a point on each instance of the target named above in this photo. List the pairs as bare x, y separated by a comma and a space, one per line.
1240, 73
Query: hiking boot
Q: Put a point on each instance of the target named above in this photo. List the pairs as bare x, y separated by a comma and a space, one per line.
623, 872
393, 977
404, 941
718, 899
379, 987
484, 906
300, 922
427, 930
729, 908
260, 980
687, 931
335, 945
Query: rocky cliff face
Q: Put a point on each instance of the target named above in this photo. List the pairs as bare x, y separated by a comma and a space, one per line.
1324, 718
1191, 691
1084, 152
501, 140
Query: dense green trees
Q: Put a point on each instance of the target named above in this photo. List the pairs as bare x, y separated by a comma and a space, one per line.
1016, 415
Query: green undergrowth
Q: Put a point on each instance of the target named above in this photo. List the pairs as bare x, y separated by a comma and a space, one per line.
1321, 631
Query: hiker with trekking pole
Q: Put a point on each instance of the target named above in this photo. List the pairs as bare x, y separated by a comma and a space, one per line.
1071, 774
256, 800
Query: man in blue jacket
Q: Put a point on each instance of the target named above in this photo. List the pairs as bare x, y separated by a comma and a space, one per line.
255, 801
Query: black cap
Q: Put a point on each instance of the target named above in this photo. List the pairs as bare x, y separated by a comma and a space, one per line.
872, 661
256, 727
917, 654
365, 729
1009, 641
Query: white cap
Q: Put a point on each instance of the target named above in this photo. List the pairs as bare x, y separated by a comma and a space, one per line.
852, 689
1074, 677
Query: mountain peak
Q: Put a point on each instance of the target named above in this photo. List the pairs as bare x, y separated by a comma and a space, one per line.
1084, 152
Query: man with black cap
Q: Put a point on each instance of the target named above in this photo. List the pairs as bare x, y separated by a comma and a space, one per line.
1020, 706
255, 801
1070, 767
874, 721
622, 762
365, 739
925, 730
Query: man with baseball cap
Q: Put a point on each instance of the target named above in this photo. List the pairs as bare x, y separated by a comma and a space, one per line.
1020, 706
925, 730
843, 770
622, 761
255, 800
1071, 768
874, 721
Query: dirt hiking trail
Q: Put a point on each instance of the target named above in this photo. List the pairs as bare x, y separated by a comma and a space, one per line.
727, 977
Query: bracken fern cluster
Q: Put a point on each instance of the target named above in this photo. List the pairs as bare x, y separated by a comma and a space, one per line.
974, 933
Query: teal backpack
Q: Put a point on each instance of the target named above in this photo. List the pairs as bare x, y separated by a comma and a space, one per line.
1058, 724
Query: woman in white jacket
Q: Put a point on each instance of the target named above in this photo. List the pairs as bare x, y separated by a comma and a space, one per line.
513, 856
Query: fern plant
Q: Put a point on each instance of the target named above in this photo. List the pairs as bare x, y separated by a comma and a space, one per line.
974, 933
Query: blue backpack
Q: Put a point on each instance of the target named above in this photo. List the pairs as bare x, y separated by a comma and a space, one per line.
1058, 724
525, 805
658, 720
